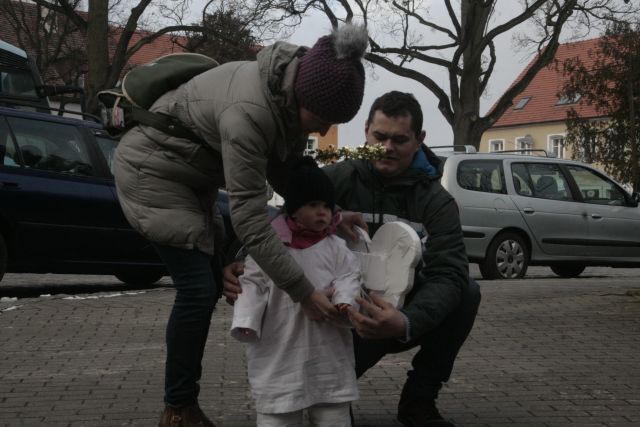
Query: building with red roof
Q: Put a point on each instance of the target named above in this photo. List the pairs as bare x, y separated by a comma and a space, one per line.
537, 118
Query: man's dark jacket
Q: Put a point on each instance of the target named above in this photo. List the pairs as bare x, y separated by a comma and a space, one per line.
418, 198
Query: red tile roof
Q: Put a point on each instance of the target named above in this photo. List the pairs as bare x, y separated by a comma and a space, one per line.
163, 45
543, 89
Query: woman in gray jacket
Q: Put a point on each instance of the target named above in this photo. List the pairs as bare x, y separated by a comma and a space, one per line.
253, 116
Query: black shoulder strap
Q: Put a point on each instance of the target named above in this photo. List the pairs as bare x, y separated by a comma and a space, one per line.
167, 124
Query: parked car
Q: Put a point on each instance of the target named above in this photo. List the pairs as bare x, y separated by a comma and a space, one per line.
519, 210
21, 84
59, 211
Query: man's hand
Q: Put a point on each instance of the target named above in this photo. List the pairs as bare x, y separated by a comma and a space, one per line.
384, 320
349, 219
317, 306
231, 284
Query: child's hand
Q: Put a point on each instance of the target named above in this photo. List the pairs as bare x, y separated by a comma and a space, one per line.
343, 307
343, 321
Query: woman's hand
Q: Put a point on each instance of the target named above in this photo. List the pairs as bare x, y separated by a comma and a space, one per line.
317, 306
231, 284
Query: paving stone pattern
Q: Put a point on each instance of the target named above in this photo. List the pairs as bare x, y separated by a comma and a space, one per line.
543, 352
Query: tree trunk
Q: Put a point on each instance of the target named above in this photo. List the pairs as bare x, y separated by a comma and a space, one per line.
635, 166
97, 52
466, 105
467, 132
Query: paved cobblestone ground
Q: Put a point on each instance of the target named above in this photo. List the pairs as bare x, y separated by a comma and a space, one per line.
544, 351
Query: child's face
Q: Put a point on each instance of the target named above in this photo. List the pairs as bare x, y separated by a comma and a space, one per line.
315, 215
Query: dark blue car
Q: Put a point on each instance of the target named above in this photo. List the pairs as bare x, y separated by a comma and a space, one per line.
58, 207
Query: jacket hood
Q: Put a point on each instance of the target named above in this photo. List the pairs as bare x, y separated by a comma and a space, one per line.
434, 160
278, 65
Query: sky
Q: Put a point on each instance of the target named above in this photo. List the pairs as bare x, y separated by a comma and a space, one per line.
510, 63
511, 60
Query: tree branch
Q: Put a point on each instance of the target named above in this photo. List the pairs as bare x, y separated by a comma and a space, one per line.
452, 16
500, 29
424, 22
487, 73
414, 55
66, 8
443, 99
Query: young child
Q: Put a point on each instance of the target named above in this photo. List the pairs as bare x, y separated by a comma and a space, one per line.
295, 363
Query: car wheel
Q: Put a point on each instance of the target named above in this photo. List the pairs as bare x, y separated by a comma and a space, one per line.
507, 258
568, 270
137, 278
4, 255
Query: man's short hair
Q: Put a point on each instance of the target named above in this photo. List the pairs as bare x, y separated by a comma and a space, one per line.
396, 104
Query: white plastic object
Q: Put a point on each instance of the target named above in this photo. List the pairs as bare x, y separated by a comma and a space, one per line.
389, 260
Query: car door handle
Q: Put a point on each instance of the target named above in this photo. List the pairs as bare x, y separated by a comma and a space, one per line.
596, 216
7, 184
528, 210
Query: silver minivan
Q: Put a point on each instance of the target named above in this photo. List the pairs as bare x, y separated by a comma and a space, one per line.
519, 210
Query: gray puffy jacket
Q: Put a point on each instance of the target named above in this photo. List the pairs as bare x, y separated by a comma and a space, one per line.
247, 114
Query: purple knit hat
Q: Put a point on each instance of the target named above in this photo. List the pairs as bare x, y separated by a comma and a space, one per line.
330, 79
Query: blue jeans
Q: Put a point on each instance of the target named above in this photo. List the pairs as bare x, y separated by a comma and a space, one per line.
188, 326
433, 363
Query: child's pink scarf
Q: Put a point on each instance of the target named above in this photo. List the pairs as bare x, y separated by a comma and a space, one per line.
294, 235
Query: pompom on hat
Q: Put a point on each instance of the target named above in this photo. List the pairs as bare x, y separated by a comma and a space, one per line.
306, 183
330, 78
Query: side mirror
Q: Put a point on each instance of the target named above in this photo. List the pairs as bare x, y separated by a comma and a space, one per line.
635, 198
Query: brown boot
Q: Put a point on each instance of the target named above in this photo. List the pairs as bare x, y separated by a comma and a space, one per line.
186, 416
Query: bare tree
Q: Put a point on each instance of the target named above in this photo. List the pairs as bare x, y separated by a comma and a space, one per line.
464, 47
611, 85
50, 39
239, 43
109, 28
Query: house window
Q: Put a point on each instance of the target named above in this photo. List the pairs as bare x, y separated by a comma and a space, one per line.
557, 146
496, 145
586, 152
524, 144
311, 147
566, 100
521, 104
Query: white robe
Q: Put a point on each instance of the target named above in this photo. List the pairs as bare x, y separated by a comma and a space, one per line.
294, 362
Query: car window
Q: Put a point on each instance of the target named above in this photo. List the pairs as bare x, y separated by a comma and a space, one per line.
49, 146
7, 147
108, 149
540, 180
521, 180
18, 83
481, 175
595, 188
